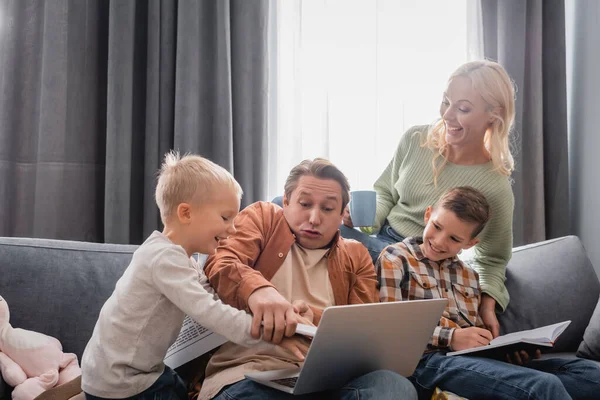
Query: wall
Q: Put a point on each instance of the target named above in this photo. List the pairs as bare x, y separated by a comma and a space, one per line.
583, 91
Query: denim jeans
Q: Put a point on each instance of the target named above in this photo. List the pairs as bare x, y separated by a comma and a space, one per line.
168, 386
379, 385
483, 378
375, 244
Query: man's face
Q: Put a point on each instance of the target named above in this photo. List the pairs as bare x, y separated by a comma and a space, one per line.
314, 211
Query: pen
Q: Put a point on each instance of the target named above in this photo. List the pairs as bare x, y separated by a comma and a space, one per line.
467, 320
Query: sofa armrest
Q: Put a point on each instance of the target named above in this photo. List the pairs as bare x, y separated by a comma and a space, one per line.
550, 282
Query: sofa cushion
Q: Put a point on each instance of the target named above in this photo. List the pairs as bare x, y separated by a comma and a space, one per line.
549, 282
278, 200
590, 346
58, 287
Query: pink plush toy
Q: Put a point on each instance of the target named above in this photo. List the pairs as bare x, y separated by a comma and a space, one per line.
32, 362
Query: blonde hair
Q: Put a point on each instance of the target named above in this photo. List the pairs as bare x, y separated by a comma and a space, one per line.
189, 179
494, 85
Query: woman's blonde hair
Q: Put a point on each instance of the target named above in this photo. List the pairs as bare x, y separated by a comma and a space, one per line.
190, 179
496, 88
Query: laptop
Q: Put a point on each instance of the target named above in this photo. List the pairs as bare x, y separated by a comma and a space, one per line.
357, 339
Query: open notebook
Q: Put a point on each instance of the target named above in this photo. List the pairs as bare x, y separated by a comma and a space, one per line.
523, 340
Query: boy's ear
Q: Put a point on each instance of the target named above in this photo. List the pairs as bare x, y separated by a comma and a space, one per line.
427, 216
184, 213
471, 243
286, 202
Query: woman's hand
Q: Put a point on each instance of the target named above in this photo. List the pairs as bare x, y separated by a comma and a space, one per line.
487, 312
305, 312
467, 338
346, 219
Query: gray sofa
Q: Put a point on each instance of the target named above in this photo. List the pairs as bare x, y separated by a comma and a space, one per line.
58, 287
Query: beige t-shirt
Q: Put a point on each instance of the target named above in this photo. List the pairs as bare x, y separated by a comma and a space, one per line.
302, 276
143, 317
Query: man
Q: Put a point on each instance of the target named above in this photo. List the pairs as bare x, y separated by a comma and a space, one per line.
295, 255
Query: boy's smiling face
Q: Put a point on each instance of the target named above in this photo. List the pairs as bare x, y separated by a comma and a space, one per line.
445, 234
211, 221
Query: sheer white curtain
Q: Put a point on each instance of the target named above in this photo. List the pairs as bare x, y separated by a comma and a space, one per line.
349, 76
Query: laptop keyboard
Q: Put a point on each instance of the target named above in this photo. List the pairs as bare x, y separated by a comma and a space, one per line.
289, 382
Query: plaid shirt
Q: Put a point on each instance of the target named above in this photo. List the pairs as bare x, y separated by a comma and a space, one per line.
404, 273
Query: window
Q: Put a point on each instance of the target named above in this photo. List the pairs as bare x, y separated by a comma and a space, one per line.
348, 77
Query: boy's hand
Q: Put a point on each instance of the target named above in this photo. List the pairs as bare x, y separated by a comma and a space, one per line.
304, 311
487, 312
275, 313
522, 357
297, 346
346, 219
468, 338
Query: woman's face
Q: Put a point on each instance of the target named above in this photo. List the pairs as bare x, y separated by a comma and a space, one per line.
464, 113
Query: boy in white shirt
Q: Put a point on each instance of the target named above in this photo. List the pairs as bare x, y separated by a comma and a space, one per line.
198, 201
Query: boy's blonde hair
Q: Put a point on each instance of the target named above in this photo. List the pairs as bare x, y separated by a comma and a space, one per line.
492, 82
189, 179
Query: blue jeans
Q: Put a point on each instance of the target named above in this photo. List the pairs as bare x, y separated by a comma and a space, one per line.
483, 378
379, 385
168, 386
375, 244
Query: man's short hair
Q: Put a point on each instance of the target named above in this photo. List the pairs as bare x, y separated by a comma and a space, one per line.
318, 168
468, 204
189, 179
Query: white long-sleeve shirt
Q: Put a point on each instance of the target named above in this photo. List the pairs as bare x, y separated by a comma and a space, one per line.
143, 317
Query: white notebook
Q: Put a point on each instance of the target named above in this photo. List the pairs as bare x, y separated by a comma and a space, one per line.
544, 336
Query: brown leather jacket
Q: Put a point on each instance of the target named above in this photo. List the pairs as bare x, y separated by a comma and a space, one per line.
249, 259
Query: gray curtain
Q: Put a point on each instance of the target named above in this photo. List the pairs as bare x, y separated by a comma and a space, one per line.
94, 92
528, 38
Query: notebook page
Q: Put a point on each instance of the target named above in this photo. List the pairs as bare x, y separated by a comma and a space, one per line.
547, 333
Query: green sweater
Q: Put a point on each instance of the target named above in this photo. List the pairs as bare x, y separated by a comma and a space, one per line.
405, 189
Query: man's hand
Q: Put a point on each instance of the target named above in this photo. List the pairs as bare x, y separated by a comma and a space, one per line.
487, 312
297, 346
346, 219
304, 311
522, 357
468, 338
275, 313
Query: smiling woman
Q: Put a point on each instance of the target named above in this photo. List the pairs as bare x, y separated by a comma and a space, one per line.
467, 146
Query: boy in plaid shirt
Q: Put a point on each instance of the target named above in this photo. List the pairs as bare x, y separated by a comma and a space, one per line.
428, 268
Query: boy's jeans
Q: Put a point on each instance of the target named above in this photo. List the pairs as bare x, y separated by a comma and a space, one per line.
378, 385
375, 244
482, 378
168, 386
